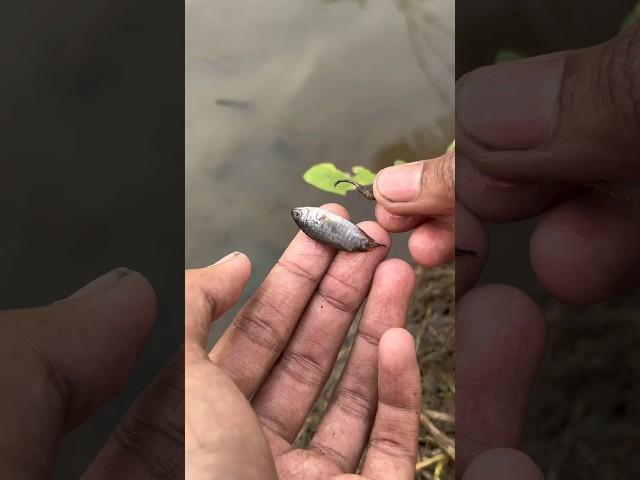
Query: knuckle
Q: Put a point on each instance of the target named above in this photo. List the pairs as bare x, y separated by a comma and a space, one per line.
394, 447
438, 176
256, 322
158, 450
619, 80
303, 368
354, 403
340, 302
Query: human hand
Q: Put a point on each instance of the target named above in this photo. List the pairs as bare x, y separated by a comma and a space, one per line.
534, 137
61, 362
420, 196
247, 399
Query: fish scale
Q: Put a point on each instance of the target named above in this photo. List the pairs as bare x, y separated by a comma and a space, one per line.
331, 229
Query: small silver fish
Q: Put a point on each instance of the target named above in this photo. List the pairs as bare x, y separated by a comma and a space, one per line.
369, 195
330, 229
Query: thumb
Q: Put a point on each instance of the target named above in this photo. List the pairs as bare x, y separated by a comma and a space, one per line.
66, 360
424, 188
209, 292
572, 115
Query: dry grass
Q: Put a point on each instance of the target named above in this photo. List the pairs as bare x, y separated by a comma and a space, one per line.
431, 321
584, 411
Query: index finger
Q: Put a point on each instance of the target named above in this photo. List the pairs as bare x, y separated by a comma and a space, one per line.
258, 334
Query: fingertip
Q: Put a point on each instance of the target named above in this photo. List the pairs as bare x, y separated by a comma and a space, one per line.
398, 183
503, 464
398, 372
141, 288
375, 231
585, 250
397, 273
425, 188
397, 348
396, 223
496, 311
432, 244
211, 291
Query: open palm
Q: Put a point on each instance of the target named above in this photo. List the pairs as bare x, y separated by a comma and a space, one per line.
247, 399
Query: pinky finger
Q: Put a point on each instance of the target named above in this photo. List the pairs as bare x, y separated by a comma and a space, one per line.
393, 444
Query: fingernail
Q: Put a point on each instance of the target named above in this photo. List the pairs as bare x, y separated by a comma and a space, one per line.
103, 282
400, 183
226, 258
511, 106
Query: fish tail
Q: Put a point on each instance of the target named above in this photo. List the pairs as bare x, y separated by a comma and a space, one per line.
374, 244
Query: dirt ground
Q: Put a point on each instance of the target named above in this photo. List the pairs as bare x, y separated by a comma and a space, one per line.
584, 415
431, 321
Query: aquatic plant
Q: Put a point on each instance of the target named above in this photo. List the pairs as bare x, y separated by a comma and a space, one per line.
323, 176
632, 17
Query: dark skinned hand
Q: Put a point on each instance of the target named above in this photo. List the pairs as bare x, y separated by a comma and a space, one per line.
61, 362
248, 397
531, 137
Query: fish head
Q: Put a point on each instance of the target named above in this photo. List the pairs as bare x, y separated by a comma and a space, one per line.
299, 214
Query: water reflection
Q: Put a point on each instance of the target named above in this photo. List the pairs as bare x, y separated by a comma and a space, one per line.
274, 87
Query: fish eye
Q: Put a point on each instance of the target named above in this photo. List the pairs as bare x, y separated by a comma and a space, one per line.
296, 213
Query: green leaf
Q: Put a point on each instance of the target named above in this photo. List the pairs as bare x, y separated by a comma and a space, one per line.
507, 55
324, 175
451, 146
632, 16
363, 175
399, 162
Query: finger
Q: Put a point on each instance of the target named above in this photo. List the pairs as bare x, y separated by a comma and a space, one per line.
292, 387
503, 464
209, 292
343, 431
103, 282
471, 235
567, 116
500, 336
423, 188
586, 249
393, 444
92, 342
76, 355
261, 329
397, 223
494, 199
432, 244
149, 440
